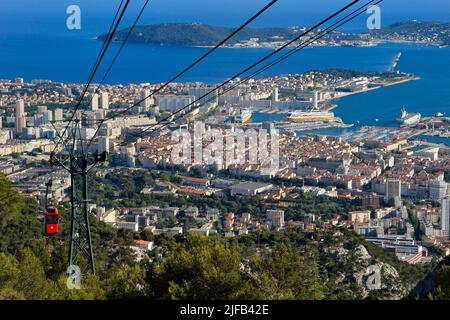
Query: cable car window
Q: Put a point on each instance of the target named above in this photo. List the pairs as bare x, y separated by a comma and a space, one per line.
53, 219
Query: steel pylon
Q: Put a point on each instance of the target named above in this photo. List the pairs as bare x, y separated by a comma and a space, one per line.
78, 161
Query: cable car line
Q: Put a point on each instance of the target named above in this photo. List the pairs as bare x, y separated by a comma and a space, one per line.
280, 59
109, 30
238, 75
95, 68
116, 56
311, 40
191, 66
108, 39
246, 69
299, 47
78, 164
76, 240
80, 242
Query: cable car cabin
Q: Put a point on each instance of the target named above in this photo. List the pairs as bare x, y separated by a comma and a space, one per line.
51, 220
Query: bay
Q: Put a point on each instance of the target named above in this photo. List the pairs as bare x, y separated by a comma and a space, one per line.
69, 57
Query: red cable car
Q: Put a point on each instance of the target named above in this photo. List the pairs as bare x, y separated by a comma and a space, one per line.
51, 220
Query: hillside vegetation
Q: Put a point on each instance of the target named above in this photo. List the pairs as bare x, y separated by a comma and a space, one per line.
292, 264
195, 34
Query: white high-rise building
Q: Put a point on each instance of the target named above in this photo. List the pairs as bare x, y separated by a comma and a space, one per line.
58, 115
275, 95
445, 216
315, 100
204, 94
20, 116
438, 189
94, 102
147, 102
172, 102
104, 100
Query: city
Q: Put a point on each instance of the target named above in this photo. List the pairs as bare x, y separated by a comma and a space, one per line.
263, 187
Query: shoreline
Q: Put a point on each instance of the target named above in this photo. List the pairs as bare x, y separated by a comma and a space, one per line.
343, 95
372, 44
122, 81
335, 105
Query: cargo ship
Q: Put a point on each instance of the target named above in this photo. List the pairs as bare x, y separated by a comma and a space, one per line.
243, 117
311, 116
407, 119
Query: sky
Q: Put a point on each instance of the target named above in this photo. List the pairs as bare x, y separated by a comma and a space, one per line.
50, 15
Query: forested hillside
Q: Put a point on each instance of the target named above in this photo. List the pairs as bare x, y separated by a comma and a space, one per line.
262, 265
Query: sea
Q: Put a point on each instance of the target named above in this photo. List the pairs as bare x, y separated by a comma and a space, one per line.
68, 58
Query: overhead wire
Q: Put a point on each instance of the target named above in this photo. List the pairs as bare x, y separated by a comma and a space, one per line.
130, 31
190, 67
99, 59
169, 117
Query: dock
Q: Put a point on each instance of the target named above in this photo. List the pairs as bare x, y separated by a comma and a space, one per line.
395, 62
311, 125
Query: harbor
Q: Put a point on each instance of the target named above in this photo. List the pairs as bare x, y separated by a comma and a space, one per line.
311, 125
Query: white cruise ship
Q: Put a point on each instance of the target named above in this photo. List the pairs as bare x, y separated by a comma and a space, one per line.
311, 116
243, 117
407, 119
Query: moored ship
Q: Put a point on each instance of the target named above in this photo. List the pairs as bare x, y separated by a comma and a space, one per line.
298, 116
243, 117
407, 119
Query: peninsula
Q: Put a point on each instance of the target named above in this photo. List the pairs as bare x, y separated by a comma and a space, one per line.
202, 35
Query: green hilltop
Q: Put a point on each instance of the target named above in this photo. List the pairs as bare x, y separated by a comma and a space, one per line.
197, 34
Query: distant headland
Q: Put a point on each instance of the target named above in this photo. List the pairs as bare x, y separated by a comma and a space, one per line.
203, 35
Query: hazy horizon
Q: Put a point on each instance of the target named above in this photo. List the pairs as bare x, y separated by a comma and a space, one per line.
49, 16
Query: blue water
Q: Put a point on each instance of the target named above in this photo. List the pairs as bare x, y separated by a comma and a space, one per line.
428, 95
68, 58
42, 14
